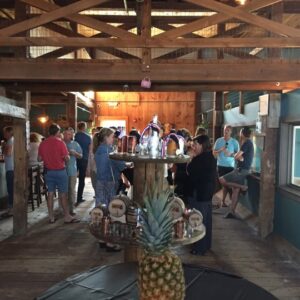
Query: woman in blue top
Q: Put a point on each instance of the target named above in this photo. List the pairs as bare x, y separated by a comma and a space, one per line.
108, 170
108, 175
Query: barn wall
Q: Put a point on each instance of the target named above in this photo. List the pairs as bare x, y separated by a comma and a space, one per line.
172, 107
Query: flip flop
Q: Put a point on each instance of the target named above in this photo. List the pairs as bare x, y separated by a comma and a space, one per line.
72, 221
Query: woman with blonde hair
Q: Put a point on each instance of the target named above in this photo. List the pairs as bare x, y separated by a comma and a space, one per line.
108, 174
108, 170
35, 140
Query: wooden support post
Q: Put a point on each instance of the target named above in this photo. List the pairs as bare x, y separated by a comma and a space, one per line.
268, 168
146, 34
241, 103
20, 15
217, 115
72, 111
20, 172
220, 32
276, 15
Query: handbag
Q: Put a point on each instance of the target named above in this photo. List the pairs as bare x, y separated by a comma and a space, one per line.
146, 83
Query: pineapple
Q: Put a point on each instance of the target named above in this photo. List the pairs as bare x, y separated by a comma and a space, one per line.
160, 271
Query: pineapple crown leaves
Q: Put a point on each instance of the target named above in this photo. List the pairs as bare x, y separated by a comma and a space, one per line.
156, 220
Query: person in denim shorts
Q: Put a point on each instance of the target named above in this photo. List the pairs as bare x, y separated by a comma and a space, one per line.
235, 180
54, 153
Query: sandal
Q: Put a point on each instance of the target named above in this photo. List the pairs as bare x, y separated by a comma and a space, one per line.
72, 221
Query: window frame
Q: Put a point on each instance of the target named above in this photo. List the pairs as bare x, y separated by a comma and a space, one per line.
284, 172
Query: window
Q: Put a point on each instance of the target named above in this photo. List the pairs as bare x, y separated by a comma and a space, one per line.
295, 163
289, 158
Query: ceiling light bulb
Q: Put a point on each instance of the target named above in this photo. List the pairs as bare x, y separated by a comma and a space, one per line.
241, 2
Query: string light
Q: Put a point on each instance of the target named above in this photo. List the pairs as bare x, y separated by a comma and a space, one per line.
241, 2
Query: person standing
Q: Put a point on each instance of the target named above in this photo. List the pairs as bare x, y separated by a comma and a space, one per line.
34, 144
75, 152
235, 180
202, 174
224, 149
85, 141
8, 152
108, 174
54, 153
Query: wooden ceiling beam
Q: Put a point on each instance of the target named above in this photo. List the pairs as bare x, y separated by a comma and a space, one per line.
269, 42
146, 33
184, 51
46, 88
64, 51
82, 19
241, 14
212, 20
49, 17
290, 6
132, 19
184, 71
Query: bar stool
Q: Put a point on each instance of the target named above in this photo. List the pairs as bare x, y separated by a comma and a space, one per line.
34, 186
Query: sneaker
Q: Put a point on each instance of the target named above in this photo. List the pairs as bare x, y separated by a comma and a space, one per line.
229, 215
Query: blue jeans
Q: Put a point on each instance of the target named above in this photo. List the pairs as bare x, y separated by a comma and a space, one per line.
105, 191
81, 167
10, 187
206, 209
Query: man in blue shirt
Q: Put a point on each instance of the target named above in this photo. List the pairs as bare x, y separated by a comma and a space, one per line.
224, 150
236, 179
75, 152
85, 141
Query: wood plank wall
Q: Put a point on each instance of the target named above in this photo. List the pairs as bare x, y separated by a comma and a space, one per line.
172, 107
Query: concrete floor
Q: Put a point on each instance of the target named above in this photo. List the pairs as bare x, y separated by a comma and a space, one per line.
49, 253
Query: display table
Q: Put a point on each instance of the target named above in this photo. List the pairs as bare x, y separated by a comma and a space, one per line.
147, 170
120, 282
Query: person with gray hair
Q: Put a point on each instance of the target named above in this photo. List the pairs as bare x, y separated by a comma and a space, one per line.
75, 152
224, 149
235, 180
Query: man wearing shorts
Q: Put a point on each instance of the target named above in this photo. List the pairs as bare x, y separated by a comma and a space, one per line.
224, 150
236, 179
53, 152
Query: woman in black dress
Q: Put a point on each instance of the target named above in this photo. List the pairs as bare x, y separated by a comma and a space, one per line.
202, 177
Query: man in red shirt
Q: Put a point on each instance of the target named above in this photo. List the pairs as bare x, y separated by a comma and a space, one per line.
54, 153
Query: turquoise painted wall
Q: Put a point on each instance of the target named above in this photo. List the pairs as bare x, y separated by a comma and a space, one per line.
297, 153
287, 218
287, 207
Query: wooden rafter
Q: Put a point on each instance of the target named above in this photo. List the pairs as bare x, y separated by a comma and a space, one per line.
238, 13
186, 71
212, 20
152, 43
146, 33
64, 51
184, 51
82, 19
49, 17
